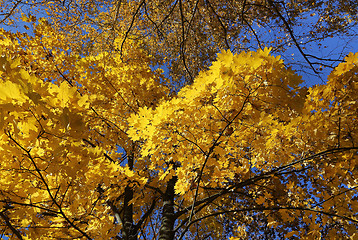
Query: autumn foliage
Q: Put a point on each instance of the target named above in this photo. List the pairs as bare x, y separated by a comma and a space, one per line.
99, 145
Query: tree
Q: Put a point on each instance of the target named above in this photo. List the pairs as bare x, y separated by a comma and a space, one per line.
95, 145
186, 35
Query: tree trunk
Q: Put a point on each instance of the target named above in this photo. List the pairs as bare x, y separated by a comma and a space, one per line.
128, 231
166, 231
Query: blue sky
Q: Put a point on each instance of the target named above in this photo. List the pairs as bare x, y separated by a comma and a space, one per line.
334, 48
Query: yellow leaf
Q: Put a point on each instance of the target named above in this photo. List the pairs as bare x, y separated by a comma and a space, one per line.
84, 101
290, 234
65, 94
260, 200
10, 91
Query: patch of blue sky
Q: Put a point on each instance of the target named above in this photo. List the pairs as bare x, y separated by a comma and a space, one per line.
332, 48
324, 52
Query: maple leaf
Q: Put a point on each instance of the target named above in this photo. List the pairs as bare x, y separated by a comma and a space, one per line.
98, 144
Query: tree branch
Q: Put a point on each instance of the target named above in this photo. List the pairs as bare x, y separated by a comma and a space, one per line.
48, 188
291, 34
129, 29
9, 225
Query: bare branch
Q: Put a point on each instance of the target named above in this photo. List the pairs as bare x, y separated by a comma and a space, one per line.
292, 35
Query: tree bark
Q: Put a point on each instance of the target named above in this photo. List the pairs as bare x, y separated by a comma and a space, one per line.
128, 231
166, 231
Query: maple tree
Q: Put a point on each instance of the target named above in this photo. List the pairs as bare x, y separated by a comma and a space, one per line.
96, 145
185, 35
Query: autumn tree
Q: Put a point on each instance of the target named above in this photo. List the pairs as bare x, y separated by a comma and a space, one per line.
96, 145
186, 35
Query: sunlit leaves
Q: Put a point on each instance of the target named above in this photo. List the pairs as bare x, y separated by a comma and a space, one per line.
246, 118
248, 151
52, 135
222, 105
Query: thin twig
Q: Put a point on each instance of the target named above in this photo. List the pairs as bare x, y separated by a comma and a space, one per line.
182, 43
207, 156
221, 24
11, 11
129, 29
291, 34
